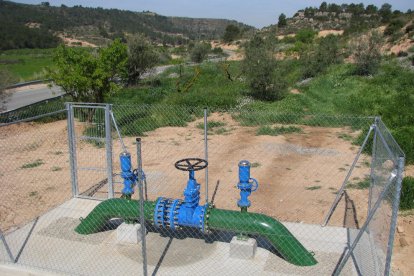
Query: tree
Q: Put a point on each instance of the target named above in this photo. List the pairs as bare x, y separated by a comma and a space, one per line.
385, 13
142, 57
262, 71
317, 60
200, 52
231, 33
334, 8
87, 76
367, 53
282, 20
323, 7
371, 9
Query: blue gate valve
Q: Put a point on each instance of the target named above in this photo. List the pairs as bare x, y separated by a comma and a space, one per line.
174, 213
246, 184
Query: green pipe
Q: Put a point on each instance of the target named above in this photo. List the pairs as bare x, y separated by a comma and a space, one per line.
113, 208
217, 219
275, 232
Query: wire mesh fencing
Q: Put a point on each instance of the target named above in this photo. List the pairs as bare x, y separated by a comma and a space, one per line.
221, 218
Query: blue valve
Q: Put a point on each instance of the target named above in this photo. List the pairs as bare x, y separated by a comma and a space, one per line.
127, 174
246, 184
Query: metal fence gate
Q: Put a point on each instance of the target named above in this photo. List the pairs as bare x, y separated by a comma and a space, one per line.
90, 124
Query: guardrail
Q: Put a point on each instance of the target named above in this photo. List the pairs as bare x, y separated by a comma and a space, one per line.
21, 84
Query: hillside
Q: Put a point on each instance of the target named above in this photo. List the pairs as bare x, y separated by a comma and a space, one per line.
43, 24
347, 17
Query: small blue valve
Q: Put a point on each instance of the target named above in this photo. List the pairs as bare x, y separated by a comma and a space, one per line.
127, 174
246, 184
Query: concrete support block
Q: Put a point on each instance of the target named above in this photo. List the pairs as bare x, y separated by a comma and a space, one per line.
128, 233
243, 249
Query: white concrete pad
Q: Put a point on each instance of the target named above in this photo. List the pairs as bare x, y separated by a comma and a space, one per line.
242, 248
129, 233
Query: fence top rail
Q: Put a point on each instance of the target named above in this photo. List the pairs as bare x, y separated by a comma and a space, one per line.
87, 104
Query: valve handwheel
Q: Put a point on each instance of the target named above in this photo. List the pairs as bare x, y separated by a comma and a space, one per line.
191, 164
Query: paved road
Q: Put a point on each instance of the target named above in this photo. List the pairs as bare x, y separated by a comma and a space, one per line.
23, 96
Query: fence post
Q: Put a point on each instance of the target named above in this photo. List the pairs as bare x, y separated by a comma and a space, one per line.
72, 149
108, 148
373, 156
141, 208
395, 207
206, 150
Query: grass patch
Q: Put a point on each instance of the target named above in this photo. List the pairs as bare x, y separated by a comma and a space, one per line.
407, 194
33, 193
312, 188
222, 131
275, 131
211, 124
345, 137
56, 169
360, 185
33, 164
255, 165
27, 64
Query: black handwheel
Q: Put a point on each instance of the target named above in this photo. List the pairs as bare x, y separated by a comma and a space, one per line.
191, 164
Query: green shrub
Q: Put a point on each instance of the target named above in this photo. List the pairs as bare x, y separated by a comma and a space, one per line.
200, 52
318, 60
33, 164
394, 27
275, 131
402, 54
305, 35
405, 138
407, 193
367, 53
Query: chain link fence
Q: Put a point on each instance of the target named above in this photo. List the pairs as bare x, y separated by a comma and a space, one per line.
65, 205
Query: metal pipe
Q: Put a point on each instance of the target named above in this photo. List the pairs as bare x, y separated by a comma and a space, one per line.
258, 224
108, 148
364, 227
206, 150
217, 219
341, 190
141, 208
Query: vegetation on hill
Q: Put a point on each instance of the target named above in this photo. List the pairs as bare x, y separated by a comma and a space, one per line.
36, 26
349, 17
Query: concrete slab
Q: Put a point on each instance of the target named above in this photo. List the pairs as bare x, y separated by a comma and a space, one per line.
242, 249
129, 233
50, 243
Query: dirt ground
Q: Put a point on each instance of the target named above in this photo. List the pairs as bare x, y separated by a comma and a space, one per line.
298, 173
